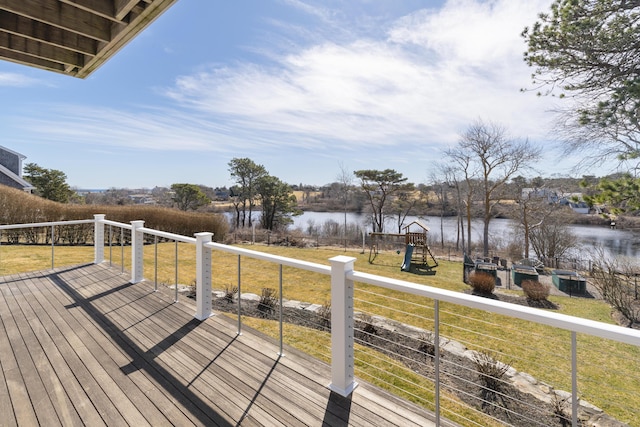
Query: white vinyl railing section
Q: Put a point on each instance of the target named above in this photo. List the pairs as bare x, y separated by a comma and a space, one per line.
344, 278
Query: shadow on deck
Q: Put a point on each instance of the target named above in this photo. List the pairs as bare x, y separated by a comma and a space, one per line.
82, 346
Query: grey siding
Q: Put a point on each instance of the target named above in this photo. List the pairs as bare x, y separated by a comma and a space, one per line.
10, 161
5, 180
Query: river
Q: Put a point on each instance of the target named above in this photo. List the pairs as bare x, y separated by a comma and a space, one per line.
613, 241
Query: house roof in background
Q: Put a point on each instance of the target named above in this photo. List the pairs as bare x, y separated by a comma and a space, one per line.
21, 181
21, 156
72, 37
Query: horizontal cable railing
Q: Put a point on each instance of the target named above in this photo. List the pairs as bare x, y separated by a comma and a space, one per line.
473, 360
489, 339
42, 238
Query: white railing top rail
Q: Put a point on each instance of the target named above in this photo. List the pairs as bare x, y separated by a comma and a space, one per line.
46, 224
153, 232
563, 321
289, 262
117, 224
170, 236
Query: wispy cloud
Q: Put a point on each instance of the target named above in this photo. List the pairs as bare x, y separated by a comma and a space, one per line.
17, 80
429, 75
145, 129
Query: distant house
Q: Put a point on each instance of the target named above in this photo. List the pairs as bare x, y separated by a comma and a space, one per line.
11, 170
572, 200
575, 202
541, 193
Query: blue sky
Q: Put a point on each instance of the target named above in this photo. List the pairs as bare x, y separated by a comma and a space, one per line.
304, 87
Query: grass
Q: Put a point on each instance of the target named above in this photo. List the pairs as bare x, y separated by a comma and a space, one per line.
607, 374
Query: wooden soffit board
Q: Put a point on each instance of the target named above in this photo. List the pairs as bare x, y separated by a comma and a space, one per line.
72, 37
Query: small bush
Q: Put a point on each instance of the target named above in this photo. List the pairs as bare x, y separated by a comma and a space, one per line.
561, 409
535, 290
324, 312
268, 301
427, 343
368, 328
229, 293
482, 283
490, 374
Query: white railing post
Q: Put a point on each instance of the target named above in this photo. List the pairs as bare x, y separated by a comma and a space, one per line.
203, 276
137, 262
342, 359
98, 238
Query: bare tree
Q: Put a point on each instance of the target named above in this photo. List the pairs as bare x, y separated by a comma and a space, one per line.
616, 281
552, 237
466, 188
533, 207
345, 179
488, 158
441, 183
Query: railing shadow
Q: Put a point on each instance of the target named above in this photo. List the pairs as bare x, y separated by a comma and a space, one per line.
337, 411
257, 394
144, 360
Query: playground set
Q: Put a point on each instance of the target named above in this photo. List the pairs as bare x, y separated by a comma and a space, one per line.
418, 258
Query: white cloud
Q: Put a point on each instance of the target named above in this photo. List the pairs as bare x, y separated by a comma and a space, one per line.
146, 129
430, 75
478, 33
17, 80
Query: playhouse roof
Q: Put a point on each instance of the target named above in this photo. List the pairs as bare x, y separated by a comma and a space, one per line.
407, 227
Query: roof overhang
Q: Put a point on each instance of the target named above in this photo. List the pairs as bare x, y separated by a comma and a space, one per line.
72, 37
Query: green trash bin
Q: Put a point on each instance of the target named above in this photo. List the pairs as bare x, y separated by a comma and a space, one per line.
520, 272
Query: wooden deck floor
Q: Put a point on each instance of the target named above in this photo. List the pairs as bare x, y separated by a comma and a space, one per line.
82, 346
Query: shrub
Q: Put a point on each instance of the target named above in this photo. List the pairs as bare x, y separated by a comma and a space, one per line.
535, 290
490, 374
427, 343
615, 280
367, 325
230, 292
482, 283
268, 301
561, 409
324, 312
18, 207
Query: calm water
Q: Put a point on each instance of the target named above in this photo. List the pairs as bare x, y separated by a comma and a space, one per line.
614, 242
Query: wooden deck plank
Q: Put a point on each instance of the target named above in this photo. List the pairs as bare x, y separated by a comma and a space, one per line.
148, 332
281, 384
24, 374
133, 349
70, 348
166, 409
147, 346
54, 317
7, 362
36, 340
201, 354
284, 387
18, 395
70, 368
145, 363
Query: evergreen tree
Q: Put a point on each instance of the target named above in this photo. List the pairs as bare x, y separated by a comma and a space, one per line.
50, 184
